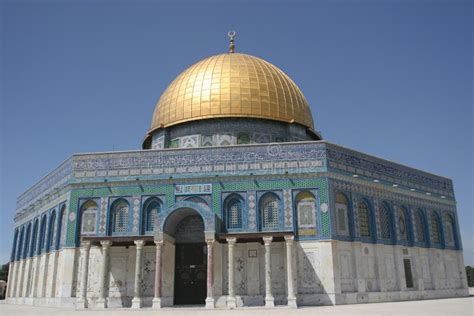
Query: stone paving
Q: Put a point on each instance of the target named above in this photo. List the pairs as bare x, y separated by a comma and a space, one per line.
453, 306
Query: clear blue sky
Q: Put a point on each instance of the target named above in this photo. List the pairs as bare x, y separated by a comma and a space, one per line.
390, 78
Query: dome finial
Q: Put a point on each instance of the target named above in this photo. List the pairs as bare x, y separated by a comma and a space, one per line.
231, 35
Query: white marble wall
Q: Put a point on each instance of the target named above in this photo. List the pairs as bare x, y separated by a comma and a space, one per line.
327, 272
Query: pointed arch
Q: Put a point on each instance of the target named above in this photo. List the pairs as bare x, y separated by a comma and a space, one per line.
435, 228
151, 208
342, 213
270, 205
365, 226
52, 230
62, 226
89, 214
120, 211
42, 236
26, 246
386, 222
34, 239
450, 231
234, 212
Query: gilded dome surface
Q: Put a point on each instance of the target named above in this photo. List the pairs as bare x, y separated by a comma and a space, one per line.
231, 85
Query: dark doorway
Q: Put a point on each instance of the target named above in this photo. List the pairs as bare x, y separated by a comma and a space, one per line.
190, 274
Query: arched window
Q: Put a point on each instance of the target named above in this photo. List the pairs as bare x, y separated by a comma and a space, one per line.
42, 238
435, 228
26, 247
306, 213
34, 239
62, 237
120, 210
449, 230
52, 230
15, 240
342, 214
20, 243
269, 211
403, 223
364, 219
385, 221
89, 217
420, 226
151, 210
234, 210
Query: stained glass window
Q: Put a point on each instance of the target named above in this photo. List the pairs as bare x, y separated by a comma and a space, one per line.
364, 219
120, 218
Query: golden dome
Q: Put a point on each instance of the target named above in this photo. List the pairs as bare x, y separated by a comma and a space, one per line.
231, 85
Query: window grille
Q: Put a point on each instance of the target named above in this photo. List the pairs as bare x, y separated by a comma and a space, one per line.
402, 225
234, 214
52, 230
121, 218
385, 222
435, 229
270, 214
63, 225
364, 226
420, 227
449, 230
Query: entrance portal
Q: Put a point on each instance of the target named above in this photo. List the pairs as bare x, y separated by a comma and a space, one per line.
190, 262
190, 274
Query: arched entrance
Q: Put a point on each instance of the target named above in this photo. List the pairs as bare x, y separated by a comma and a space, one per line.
187, 226
190, 262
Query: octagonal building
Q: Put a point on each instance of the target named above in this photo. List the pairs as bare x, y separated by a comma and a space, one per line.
235, 200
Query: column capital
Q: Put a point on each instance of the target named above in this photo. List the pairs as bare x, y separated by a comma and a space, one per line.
86, 244
159, 243
210, 241
267, 240
289, 239
139, 243
106, 243
231, 240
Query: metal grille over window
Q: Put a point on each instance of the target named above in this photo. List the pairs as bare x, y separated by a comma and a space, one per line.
62, 239
420, 227
364, 226
385, 221
89, 217
270, 213
52, 229
121, 218
235, 214
435, 229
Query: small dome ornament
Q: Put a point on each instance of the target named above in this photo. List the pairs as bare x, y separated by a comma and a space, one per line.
231, 35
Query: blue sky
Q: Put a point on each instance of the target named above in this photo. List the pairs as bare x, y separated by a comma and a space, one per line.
390, 78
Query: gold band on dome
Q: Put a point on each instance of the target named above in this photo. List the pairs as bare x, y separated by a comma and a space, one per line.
231, 85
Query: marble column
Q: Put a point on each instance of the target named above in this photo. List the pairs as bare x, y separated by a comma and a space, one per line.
210, 274
137, 297
231, 301
158, 274
269, 299
104, 271
81, 302
289, 271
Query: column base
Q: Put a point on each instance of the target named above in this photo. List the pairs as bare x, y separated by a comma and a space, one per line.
101, 303
269, 301
292, 302
231, 302
210, 302
157, 304
137, 302
81, 303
